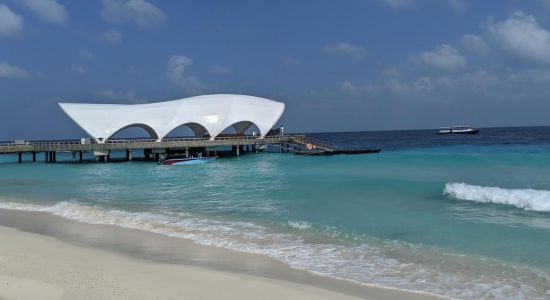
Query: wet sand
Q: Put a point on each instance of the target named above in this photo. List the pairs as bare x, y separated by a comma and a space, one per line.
47, 257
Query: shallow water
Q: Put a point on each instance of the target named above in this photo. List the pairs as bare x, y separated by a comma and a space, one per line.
461, 216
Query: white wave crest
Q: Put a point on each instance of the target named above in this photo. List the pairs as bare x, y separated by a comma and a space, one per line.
299, 225
527, 199
373, 262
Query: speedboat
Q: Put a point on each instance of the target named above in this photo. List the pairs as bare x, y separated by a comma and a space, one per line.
188, 161
458, 130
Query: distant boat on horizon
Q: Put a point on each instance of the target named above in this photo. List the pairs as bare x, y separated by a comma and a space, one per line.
458, 130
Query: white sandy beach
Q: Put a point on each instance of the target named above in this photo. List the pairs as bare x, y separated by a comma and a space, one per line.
37, 266
40, 267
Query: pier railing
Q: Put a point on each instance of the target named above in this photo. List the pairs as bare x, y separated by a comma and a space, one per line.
318, 144
120, 144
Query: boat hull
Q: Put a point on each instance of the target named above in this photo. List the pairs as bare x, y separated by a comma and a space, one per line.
473, 131
187, 161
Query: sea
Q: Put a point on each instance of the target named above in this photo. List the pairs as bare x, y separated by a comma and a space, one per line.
462, 216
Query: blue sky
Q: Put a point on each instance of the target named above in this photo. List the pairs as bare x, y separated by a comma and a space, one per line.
338, 65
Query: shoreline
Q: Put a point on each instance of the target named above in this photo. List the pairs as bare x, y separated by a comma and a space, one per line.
142, 249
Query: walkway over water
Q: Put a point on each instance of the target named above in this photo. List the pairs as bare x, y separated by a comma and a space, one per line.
288, 143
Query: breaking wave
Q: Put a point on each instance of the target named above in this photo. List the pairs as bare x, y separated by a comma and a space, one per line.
371, 261
527, 199
299, 225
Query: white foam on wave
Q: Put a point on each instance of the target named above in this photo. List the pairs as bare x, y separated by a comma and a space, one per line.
527, 199
299, 224
385, 263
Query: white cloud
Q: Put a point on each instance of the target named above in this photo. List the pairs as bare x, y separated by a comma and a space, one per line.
48, 10
474, 43
354, 51
521, 35
142, 13
444, 57
348, 86
398, 3
12, 72
397, 87
112, 36
421, 86
175, 70
353, 89
424, 85
11, 24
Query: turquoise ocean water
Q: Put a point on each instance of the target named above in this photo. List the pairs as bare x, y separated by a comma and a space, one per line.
465, 217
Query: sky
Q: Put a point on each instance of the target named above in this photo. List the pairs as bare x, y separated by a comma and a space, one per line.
338, 65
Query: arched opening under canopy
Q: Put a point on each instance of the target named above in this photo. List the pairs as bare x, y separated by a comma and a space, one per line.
137, 130
187, 130
240, 129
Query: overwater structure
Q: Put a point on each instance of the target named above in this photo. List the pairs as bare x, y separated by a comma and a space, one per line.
207, 116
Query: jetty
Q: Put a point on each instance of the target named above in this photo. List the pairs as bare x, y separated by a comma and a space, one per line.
207, 116
154, 150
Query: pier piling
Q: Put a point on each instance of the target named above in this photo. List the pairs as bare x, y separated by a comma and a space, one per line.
153, 148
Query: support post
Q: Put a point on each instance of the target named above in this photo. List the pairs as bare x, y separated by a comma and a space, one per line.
73, 155
20, 157
46, 158
238, 150
79, 156
147, 154
186, 152
34, 156
128, 154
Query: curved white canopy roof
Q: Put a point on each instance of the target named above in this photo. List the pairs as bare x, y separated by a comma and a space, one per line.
210, 114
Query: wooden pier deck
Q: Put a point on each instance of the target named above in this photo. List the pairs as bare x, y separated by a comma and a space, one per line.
101, 151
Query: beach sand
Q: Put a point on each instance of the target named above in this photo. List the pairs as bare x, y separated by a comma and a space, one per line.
48, 257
